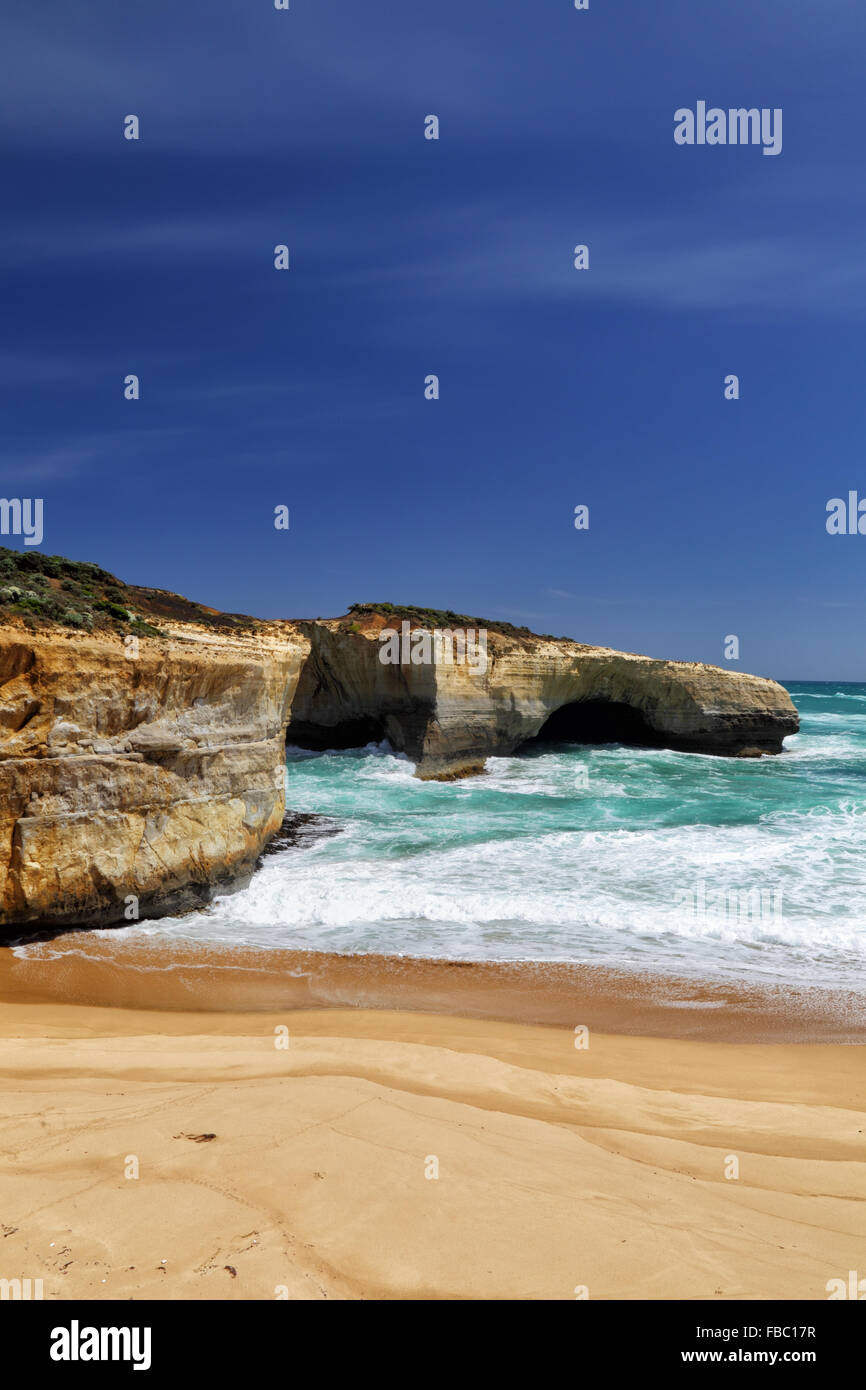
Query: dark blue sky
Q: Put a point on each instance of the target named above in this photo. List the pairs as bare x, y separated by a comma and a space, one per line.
409, 256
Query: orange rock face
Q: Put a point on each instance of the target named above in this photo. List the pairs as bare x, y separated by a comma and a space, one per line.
132, 786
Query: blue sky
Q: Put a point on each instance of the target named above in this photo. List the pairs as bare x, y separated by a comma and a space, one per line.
409, 257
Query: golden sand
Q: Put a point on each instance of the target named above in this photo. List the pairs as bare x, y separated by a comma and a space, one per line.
374, 1152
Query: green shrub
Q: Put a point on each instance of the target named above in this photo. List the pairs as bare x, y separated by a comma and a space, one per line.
121, 614
34, 603
29, 560
72, 619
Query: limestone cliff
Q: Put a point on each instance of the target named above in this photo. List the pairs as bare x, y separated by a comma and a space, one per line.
448, 718
137, 785
141, 778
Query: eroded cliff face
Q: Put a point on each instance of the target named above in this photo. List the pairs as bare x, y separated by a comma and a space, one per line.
145, 785
137, 785
448, 718
347, 697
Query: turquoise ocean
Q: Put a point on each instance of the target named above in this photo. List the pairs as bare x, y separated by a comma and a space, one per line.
608, 855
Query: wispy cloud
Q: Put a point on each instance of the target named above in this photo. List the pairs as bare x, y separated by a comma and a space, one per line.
84, 452
94, 241
650, 263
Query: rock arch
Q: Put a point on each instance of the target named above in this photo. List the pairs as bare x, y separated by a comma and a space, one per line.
597, 720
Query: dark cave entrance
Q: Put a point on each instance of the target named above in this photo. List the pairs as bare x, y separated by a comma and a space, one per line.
350, 733
596, 721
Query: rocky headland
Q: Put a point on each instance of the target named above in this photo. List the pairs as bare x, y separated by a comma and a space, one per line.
142, 736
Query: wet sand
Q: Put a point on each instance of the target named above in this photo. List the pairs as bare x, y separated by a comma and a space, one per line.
242, 1133
117, 971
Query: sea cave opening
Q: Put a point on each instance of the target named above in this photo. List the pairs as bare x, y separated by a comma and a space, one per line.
349, 733
596, 721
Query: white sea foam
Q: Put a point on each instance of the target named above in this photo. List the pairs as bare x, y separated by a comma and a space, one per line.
577, 855
606, 894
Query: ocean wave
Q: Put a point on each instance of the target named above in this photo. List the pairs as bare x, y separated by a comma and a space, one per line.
837, 695
750, 868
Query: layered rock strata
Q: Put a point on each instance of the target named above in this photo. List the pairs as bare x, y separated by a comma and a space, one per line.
137, 787
141, 786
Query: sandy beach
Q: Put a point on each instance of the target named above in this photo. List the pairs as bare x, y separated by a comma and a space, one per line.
200, 1150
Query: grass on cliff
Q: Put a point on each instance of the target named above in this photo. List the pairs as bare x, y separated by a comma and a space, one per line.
444, 618
41, 591
44, 590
